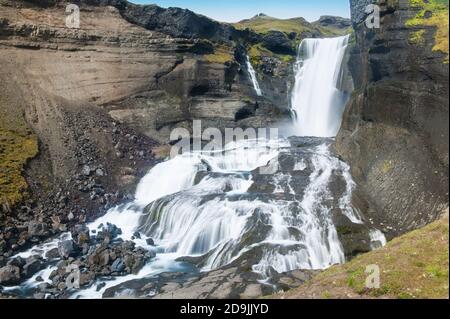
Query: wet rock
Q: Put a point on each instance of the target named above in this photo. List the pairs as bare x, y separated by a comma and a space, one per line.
134, 263
100, 286
66, 248
32, 266
61, 286
9, 275
150, 242
86, 171
118, 265
100, 257
52, 254
113, 230
80, 235
2, 246
37, 229
86, 278
18, 262
137, 235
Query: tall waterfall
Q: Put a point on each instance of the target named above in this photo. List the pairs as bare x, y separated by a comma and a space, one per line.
253, 77
316, 100
217, 207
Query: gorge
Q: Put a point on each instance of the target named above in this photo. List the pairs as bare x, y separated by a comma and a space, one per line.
245, 219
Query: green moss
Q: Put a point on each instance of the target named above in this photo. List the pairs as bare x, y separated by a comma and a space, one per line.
387, 166
256, 52
417, 37
326, 295
15, 150
438, 19
221, 55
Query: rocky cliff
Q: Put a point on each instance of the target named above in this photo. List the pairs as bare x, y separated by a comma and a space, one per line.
83, 110
395, 129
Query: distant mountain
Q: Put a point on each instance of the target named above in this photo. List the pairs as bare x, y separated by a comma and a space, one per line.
325, 26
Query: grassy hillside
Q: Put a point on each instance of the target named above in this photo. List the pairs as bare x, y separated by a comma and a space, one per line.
412, 266
264, 24
17, 145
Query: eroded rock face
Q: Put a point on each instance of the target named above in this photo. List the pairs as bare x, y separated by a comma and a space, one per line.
395, 128
100, 98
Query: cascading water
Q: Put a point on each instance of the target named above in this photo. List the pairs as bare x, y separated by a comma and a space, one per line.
253, 77
316, 100
222, 206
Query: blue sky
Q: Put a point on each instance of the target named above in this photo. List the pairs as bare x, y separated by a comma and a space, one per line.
236, 10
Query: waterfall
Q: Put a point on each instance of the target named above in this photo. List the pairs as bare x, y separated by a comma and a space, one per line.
252, 73
217, 206
316, 100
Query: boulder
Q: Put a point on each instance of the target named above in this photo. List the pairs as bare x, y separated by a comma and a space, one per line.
17, 261
9, 275
278, 42
32, 266
118, 265
52, 253
80, 234
66, 249
37, 229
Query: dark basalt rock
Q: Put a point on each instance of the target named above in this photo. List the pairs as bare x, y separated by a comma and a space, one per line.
395, 128
9, 275
32, 266
278, 42
358, 10
332, 21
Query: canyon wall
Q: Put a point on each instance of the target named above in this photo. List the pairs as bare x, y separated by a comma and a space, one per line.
395, 128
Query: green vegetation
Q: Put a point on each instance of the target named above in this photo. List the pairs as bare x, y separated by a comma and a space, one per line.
295, 29
432, 13
257, 51
221, 55
17, 145
16, 148
412, 266
417, 37
265, 24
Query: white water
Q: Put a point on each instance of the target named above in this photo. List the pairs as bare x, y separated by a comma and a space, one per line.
316, 100
215, 217
253, 77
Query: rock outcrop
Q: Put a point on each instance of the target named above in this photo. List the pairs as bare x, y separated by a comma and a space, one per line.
395, 128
